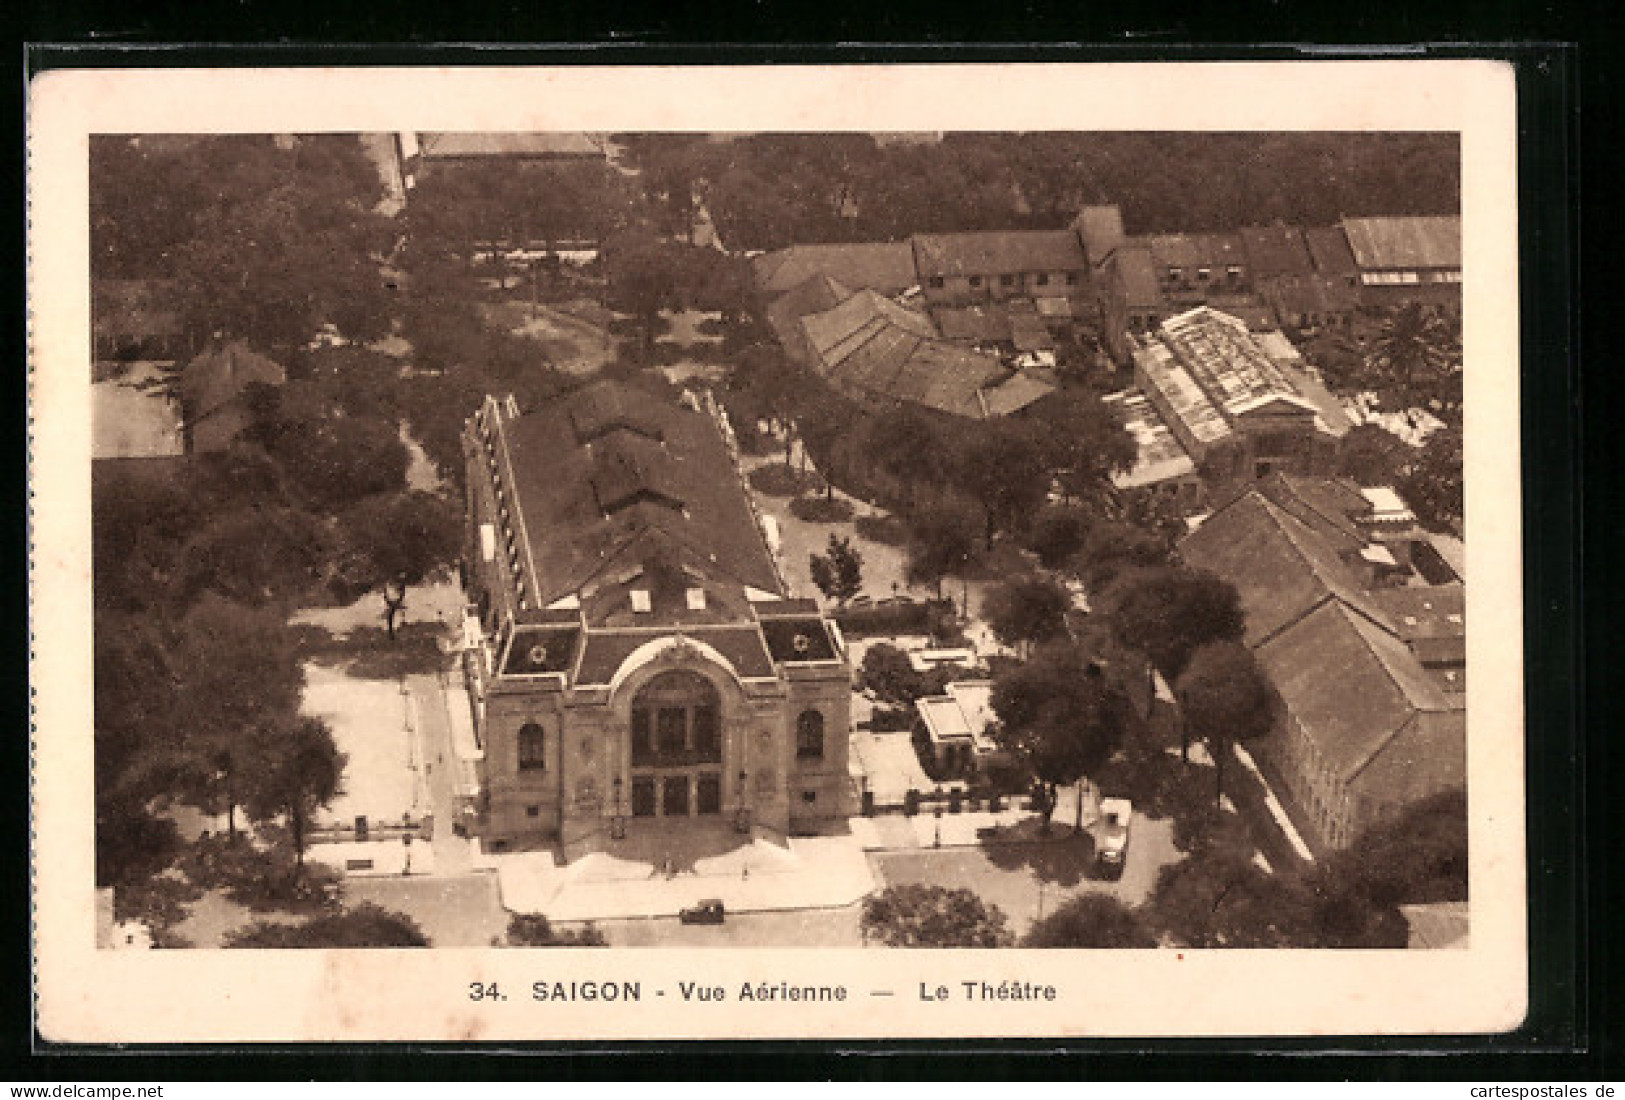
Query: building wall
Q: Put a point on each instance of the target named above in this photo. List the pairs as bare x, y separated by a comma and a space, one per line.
588, 738
992, 288
216, 431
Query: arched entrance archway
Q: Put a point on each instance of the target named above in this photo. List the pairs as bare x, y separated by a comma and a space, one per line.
676, 746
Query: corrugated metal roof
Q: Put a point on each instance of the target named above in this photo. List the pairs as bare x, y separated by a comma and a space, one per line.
1384, 244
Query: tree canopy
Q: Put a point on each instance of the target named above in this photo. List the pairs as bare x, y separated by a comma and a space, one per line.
1225, 698
535, 930
923, 915
1057, 715
1432, 482
1026, 609
366, 925
1167, 612
1091, 921
838, 571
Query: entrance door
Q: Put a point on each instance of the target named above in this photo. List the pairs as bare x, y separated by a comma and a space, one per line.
709, 794
643, 797
675, 802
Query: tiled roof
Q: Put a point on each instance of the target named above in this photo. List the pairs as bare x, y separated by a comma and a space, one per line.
608, 477
997, 252
1276, 250
803, 639
870, 345
551, 144
1404, 243
1138, 278
1329, 248
607, 650
1101, 229
1327, 506
981, 324
887, 268
1304, 294
1028, 333
1281, 567
815, 295
1343, 670
218, 376
1193, 250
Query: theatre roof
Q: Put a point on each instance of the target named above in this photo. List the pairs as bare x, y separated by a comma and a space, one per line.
610, 478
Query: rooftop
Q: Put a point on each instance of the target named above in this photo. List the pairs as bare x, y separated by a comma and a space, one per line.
1329, 248
219, 376
1101, 230
997, 252
1276, 250
1404, 243
618, 489
887, 267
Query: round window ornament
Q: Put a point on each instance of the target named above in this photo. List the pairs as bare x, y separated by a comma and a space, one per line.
537, 654
801, 643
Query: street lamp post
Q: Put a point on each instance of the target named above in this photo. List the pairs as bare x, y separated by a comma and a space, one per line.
937, 842
742, 815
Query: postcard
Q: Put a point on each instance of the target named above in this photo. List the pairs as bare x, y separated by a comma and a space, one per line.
818, 552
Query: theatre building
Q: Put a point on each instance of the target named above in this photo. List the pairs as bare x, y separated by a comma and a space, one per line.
632, 660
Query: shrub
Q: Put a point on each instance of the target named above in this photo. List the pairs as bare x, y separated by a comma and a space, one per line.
778, 480
885, 529
817, 509
891, 720
912, 617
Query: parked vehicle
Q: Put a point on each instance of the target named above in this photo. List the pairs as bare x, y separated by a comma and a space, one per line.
709, 911
1112, 835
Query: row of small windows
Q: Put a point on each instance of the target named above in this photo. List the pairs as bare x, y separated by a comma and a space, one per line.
1041, 278
1408, 278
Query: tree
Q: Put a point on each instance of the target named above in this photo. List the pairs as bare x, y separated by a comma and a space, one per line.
838, 572
367, 925
238, 675
1057, 715
1415, 361
644, 276
1091, 921
1004, 471
335, 461
397, 541
1221, 898
1084, 441
1166, 613
1225, 698
254, 556
1372, 455
942, 541
918, 914
1057, 534
1431, 484
1026, 609
1417, 857
296, 770
535, 930
1109, 549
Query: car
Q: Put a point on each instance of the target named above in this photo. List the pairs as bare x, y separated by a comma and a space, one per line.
1112, 836
709, 911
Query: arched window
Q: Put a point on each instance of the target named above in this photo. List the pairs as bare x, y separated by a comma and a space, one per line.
676, 719
532, 747
810, 735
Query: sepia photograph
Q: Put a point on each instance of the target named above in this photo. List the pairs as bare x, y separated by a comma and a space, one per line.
1033, 539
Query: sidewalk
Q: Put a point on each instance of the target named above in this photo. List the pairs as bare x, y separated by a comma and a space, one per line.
762, 876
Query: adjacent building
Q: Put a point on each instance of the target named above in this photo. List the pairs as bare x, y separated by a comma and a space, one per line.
1399, 260
214, 391
872, 348
963, 268
632, 659
1368, 659
1215, 404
